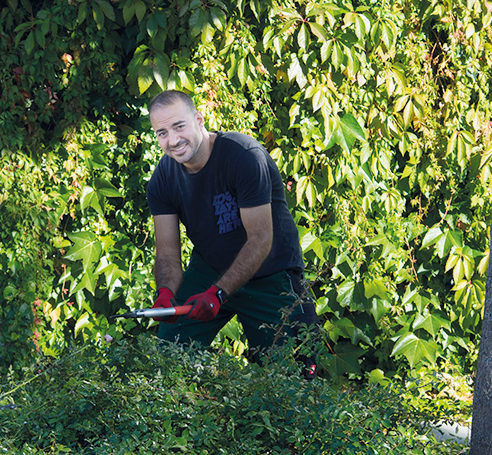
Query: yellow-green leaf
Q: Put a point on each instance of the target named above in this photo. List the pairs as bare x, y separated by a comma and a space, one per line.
303, 37
81, 323
319, 31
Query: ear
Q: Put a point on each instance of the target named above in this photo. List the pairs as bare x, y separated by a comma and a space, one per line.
200, 119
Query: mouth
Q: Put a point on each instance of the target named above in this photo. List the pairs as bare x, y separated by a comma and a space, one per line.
179, 149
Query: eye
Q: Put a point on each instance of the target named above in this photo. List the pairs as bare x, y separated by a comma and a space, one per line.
161, 134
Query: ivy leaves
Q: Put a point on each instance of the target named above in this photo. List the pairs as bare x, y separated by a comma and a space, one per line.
379, 129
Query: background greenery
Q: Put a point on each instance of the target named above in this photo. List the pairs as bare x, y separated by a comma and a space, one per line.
378, 114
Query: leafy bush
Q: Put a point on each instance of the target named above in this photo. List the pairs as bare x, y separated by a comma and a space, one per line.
377, 114
137, 396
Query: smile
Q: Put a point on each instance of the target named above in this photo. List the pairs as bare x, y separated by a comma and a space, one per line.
179, 148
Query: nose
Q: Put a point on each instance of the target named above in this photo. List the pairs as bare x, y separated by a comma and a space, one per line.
173, 138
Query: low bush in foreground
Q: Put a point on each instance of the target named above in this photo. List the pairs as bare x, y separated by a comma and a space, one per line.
136, 396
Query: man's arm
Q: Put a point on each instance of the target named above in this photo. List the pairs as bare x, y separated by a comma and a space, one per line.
167, 270
257, 222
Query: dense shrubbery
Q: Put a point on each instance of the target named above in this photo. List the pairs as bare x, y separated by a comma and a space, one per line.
136, 397
377, 113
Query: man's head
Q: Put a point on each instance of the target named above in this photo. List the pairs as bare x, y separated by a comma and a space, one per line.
179, 128
170, 97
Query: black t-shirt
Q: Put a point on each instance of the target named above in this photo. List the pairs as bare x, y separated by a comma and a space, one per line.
239, 174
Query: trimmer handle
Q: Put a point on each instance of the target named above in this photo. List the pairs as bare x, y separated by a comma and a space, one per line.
157, 312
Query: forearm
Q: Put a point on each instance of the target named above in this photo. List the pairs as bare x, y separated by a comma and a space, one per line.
168, 273
245, 265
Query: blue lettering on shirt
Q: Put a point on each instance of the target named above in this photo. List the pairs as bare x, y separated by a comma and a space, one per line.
227, 212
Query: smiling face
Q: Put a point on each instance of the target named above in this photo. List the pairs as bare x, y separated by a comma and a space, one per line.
180, 133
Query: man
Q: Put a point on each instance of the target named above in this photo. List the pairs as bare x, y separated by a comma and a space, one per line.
228, 193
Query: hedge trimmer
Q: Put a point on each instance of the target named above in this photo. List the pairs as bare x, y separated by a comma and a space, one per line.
156, 312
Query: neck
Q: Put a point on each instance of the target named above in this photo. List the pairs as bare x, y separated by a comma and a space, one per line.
203, 153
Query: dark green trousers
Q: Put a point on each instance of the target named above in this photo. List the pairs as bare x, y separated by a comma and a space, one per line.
260, 305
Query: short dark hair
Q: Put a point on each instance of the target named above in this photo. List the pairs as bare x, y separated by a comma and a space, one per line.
169, 97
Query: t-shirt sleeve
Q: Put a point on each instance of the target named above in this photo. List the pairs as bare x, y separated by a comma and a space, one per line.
254, 184
158, 197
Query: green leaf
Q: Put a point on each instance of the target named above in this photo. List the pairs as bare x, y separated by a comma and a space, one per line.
173, 81
351, 128
346, 293
242, 71
98, 16
107, 9
310, 193
451, 146
443, 245
218, 17
198, 19
29, 42
337, 55
256, 8
310, 242
82, 14
319, 31
377, 376
387, 36
484, 264
88, 281
432, 323
158, 41
347, 132
301, 188
408, 113
345, 359
160, 17
400, 103
86, 248
415, 349
161, 69
113, 275
152, 26
348, 329
452, 261
431, 237
379, 308
128, 11
140, 10
89, 198
325, 51
296, 72
106, 188
232, 330
81, 323
207, 34
40, 38
303, 37
376, 288
145, 77
456, 238
362, 25
187, 81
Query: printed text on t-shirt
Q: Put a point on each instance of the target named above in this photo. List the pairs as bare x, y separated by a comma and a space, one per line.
227, 212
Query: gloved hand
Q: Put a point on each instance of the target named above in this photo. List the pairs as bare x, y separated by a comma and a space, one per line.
165, 299
206, 305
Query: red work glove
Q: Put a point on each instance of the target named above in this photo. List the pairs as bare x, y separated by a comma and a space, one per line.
165, 299
206, 305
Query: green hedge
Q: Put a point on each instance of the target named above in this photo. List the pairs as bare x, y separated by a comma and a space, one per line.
377, 114
136, 397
